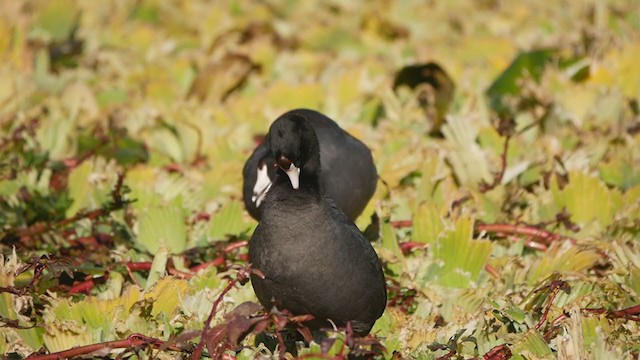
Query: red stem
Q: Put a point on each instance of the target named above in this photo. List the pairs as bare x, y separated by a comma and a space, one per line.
138, 266
235, 245
533, 232
408, 246
492, 271
242, 274
500, 352
215, 262
401, 223
554, 287
131, 341
86, 286
503, 229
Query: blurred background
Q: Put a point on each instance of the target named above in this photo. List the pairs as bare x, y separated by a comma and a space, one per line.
477, 112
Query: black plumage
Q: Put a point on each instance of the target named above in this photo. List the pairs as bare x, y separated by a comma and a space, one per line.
348, 173
315, 260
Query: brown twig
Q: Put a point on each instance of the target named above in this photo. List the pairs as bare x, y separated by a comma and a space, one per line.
544, 237
500, 352
630, 313
448, 355
555, 288
138, 265
220, 260
316, 356
408, 246
133, 278
457, 203
242, 275
492, 271
281, 345
132, 341
401, 223
15, 324
529, 242
17, 133
403, 298
215, 262
502, 229
236, 245
484, 187
436, 347
87, 285
38, 265
13, 290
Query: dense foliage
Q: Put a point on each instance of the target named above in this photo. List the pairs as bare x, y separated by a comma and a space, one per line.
508, 208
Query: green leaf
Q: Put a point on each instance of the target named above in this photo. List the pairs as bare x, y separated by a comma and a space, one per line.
127, 151
633, 279
528, 63
427, 224
111, 97
228, 221
58, 18
516, 314
563, 258
9, 187
390, 248
577, 68
461, 257
54, 136
31, 337
490, 203
158, 267
532, 343
587, 198
590, 328
620, 172
146, 11
79, 187
467, 159
64, 326
163, 226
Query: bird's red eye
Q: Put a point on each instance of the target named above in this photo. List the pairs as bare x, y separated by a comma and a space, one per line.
284, 163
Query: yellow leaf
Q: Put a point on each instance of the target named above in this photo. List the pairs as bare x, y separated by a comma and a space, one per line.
427, 224
284, 95
587, 198
391, 249
461, 256
79, 187
562, 258
166, 295
620, 68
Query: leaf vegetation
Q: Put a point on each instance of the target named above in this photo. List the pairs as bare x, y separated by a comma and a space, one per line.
506, 135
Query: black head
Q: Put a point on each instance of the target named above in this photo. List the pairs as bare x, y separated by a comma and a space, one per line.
295, 147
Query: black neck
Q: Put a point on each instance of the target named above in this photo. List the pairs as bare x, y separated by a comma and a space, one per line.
310, 174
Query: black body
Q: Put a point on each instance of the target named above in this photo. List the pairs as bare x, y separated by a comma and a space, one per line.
348, 174
316, 261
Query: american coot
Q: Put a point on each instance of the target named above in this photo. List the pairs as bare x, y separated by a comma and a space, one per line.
314, 258
349, 175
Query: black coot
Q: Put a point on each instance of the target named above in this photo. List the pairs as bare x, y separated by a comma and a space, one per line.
315, 259
349, 175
